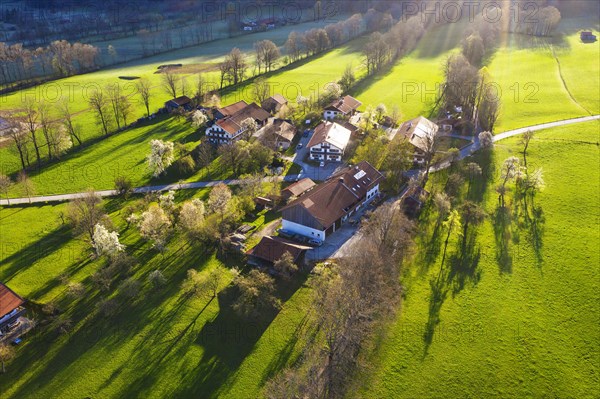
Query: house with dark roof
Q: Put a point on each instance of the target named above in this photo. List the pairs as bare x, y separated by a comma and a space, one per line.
328, 142
345, 106
277, 134
11, 308
274, 103
321, 211
298, 188
229, 128
420, 132
414, 200
183, 101
271, 249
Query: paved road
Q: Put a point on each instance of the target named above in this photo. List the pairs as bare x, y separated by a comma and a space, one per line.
138, 190
314, 172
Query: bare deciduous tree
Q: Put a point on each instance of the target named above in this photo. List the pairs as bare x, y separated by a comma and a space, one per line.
99, 103
85, 212
170, 81
143, 89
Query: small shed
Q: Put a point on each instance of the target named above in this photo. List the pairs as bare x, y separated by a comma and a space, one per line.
413, 200
183, 101
262, 203
298, 188
271, 249
587, 36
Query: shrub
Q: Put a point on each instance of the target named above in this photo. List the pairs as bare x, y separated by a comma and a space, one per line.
123, 186
185, 165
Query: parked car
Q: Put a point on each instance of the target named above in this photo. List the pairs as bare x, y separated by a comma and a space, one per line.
299, 146
285, 234
322, 164
306, 133
315, 242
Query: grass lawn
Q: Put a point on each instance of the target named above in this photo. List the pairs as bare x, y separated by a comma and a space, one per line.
159, 344
123, 154
580, 63
530, 87
308, 77
526, 325
411, 83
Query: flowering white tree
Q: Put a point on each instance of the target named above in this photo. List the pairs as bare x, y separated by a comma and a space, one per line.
106, 242
199, 119
167, 201
191, 215
250, 127
61, 141
161, 156
155, 225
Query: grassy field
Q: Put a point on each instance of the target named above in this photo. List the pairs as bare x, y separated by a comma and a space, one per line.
160, 344
122, 154
77, 89
526, 325
411, 84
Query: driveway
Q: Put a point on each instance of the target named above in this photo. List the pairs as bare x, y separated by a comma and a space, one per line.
337, 244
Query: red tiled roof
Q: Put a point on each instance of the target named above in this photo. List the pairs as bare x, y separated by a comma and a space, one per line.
229, 125
9, 301
345, 104
272, 249
233, 108
250, 111
233, 123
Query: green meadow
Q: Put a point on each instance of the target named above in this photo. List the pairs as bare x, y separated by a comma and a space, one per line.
162, 343
526, 325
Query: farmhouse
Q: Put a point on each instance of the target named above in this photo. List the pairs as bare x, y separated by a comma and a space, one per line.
11, 308
420, 132
322, 210
184, 102
271, 249
278, 134
328, 142
229, 128
298, 188
345, 106
230, 110
273, 104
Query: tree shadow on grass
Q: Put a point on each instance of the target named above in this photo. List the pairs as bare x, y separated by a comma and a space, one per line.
50, 245
228, 339
46, 355
463, 271
502, 235
535, 233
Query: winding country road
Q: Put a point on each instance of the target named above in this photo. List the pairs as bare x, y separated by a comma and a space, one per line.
464, 152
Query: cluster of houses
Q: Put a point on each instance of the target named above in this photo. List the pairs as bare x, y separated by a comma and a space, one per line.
314, 211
